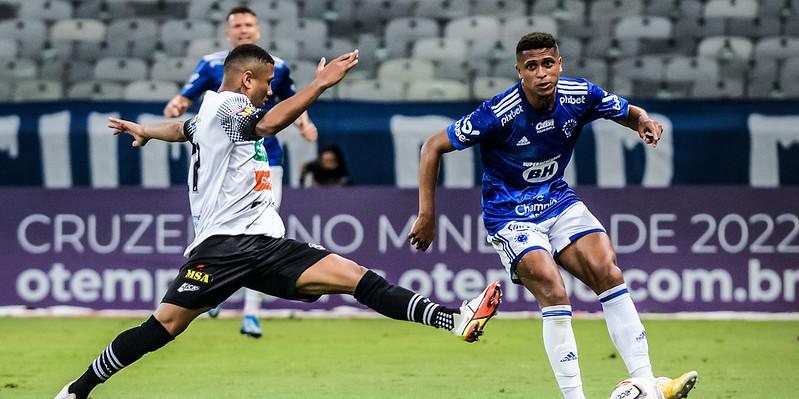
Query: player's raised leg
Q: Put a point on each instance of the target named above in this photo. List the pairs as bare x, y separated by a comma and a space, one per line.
334, 274
538, 272
162, 327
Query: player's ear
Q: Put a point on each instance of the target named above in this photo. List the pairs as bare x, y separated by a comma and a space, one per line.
518, 72
246, 79
560, 61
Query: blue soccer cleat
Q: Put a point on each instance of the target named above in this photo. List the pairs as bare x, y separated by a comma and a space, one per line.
251, 327
214, 312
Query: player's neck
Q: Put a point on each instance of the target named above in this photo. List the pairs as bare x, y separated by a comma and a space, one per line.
539, 103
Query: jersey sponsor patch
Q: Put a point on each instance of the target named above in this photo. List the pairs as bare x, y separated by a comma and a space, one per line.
246, 111
263, 180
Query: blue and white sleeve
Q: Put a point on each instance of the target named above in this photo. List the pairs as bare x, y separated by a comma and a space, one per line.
201, 80
603, 104
473, 128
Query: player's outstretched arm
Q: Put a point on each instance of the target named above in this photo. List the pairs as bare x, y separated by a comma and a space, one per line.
288, 110
424, 229
165, 131
648, 129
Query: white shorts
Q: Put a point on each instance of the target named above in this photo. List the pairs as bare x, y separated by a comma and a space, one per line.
552, 235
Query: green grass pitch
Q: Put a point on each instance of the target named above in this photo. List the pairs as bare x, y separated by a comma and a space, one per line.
371, 358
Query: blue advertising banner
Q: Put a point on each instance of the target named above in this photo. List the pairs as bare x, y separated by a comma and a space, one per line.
681, 249
745, 143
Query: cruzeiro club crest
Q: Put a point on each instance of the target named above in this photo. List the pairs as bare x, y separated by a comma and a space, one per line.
260, 152
568, 127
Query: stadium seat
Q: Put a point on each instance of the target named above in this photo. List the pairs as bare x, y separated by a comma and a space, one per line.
754, 27
177, 34
608, 47
7, 11
405, 70
285, 49
514, 28
383, 10
791, 24
15, 69
643, 69
777, 47
682, 45
440, 49
211, 10
330, 48
402, 32
789, 77
30, 35
690, 69
306, 32
731, 8
38, 90
593, 69
368, 43
199, 48
698, 27
621, 86
560, 9
275, 10
120, 69
765, 89
158, 9
373, 90
6, 91
132, 29
484, 87
315, 9
725, 47
569, 47
762, 69
47, 10
302, 72
88, 30
774, 8
437, 90
504, 68
607, 9
8, 48
725, 89
175, 69
103, 10
500, 8
480, 34
441, 9
673, 8
585, 28
643, 27
150, 90
96, 91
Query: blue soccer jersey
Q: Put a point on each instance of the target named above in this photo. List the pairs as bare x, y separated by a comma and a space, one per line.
208, 76
525, 152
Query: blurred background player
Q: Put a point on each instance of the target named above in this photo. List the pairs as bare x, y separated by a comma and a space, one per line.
242, 28
238, 246
329, 169
534, 219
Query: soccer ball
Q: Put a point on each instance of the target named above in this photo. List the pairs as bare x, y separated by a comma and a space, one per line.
636, 388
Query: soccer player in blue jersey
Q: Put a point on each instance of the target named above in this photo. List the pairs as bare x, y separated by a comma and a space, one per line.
534, 220
242, 28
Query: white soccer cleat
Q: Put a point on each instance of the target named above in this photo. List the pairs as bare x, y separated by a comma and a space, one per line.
679, 387
64, 392
475, 314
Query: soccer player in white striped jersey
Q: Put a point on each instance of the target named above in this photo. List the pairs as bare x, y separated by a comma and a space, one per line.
535, 221
238, 234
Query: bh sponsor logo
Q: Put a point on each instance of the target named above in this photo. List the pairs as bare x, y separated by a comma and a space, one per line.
544, 126
572, 100
512, 114
537, 172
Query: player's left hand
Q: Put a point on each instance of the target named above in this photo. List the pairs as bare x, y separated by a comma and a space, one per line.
308, 131
134, 129
422, 232
649, 130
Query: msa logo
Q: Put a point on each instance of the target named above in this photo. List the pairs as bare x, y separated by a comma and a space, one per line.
540, 171
572, 100
542, 127
512, 114
197, 276
186, 287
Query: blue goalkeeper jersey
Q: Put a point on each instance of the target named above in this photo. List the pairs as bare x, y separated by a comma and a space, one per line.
208, 76
525, 152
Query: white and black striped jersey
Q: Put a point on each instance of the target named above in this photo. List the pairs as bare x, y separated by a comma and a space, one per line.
230, 189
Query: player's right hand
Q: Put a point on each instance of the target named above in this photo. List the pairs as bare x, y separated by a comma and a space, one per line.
176, 107
134, 129
422, 232
328, 74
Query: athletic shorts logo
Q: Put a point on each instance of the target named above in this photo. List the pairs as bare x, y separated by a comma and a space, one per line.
186, 287
316, 246
198, 276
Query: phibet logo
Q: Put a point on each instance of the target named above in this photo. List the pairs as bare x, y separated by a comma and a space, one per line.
572, 100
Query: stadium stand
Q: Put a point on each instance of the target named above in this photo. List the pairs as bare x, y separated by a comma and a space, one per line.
715, 42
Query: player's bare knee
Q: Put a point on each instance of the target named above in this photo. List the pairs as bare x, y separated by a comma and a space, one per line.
606, 277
